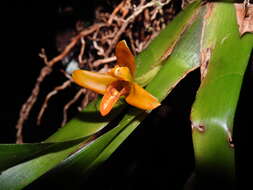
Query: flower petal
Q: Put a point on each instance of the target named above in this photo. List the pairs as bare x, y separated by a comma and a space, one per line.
112, 94
124, 56
96, 82
141, 98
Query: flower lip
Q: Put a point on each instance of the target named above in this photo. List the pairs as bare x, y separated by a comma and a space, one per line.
113, 93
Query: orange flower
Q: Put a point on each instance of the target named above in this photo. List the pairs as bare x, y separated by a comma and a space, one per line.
118, 82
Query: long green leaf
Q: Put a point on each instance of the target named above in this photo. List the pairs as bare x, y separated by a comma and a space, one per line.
214, 108
11, 154
150, 60
95, 153
183, 60
22, 174
86, 123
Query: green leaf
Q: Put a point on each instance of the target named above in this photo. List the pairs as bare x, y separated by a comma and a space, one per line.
41, 161
213, 111
11, 154
91, 156
184, 59
86, 123
151, 59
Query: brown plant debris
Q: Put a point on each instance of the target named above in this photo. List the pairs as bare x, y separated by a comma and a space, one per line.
230, 140
186, 2
244, 15
199, 127
204, 60
138, 22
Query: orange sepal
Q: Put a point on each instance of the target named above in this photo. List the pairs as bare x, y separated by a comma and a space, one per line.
141, 98
96, 82
124, 56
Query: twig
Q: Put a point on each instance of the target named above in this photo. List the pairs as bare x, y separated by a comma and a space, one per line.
130, 19
43, 56
49, 96
100, 50
130, 37
27, 106
80, 56
72, 101
123, 7
86, 99
115, 11
155, 12
104, 61
74, 41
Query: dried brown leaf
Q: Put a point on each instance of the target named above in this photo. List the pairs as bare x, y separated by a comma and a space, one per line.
244, 15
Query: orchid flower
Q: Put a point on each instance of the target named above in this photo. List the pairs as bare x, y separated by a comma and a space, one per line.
117, 82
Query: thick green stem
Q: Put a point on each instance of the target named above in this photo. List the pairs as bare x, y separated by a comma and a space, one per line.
224, 59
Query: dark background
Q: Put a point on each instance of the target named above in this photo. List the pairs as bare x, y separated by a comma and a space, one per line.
159, 161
